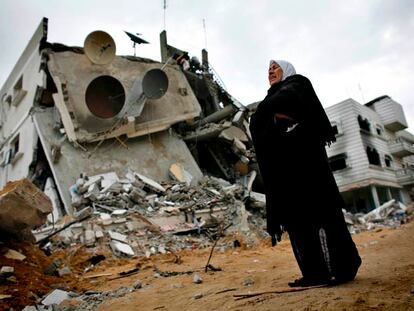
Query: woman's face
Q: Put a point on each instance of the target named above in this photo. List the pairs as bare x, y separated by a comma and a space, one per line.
275, 74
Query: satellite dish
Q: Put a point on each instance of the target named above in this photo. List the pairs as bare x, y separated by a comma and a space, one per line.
100, 47
155, 83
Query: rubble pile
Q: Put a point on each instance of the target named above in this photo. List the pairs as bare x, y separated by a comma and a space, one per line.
137, 216
390, 214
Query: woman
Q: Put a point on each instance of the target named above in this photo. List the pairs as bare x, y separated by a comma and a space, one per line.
290, 130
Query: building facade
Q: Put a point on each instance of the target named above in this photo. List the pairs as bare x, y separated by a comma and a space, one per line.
372, 159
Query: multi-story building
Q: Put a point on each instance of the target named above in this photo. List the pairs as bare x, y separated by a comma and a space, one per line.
372, 159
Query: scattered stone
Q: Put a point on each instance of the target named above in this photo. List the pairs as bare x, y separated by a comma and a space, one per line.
55, 297
22, 208
89, 237
248, 282
197, 279
151, 183
12, 254
5, 296
6, 271
198, 296
52, 268
117, 236
177, 172
64, 271
122, 248
137, 285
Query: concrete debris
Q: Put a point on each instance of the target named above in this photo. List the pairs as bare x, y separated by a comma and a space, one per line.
197, 279
22, 208
6, 271
64, 271
5, 296
12, 254
117, 236
122, 248
55, 297
177, 172
390, 214
248, 282
52, 268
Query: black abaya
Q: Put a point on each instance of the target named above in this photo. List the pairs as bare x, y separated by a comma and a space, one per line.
301, 192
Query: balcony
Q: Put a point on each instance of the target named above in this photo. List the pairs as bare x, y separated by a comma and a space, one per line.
405, 176
401, 148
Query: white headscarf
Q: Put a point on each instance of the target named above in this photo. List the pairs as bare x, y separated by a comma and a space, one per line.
287, 68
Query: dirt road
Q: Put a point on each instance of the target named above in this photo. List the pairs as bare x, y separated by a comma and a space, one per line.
385, 280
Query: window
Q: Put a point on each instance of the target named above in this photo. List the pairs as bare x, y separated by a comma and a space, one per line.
18, 92
15, 153
337, 128
338, 162
388, 160
6, 99
373, 156
364, 124
379, 130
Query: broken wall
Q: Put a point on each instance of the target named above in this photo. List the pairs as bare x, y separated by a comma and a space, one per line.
73, 73
149, 155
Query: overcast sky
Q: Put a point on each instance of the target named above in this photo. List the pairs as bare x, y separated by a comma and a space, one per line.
349, 49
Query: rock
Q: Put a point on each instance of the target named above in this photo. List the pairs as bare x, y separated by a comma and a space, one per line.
197, 279
137, 285
117, 236
198, 296
89, 237
177, 172
161, 249
119, 212
6, 271
12, 254
248, 282
119, 247
64, 271
22, 208
151, 183
52, 268
29, 308
55, 297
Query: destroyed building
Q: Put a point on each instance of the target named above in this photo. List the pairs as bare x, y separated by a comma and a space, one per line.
66, 111
372, 158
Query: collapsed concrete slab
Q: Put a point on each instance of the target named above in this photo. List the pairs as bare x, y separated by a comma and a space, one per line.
23, 207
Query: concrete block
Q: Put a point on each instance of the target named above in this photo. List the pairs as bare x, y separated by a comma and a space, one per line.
117, 236
122, 248
151, 183
6, 271
12, 254
23, 207
89, 237
55, 297
177, 172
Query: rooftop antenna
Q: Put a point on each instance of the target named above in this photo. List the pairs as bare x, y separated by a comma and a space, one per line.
205, 33
136, 40
165, 9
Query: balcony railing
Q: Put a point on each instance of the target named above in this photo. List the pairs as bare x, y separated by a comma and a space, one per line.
405, 176
401, 148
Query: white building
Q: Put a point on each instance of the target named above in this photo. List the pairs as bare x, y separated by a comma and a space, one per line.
372, 159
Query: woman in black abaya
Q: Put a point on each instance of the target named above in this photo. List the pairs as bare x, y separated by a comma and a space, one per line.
290, 130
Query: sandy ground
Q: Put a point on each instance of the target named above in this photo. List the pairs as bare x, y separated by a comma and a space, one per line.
385, 280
